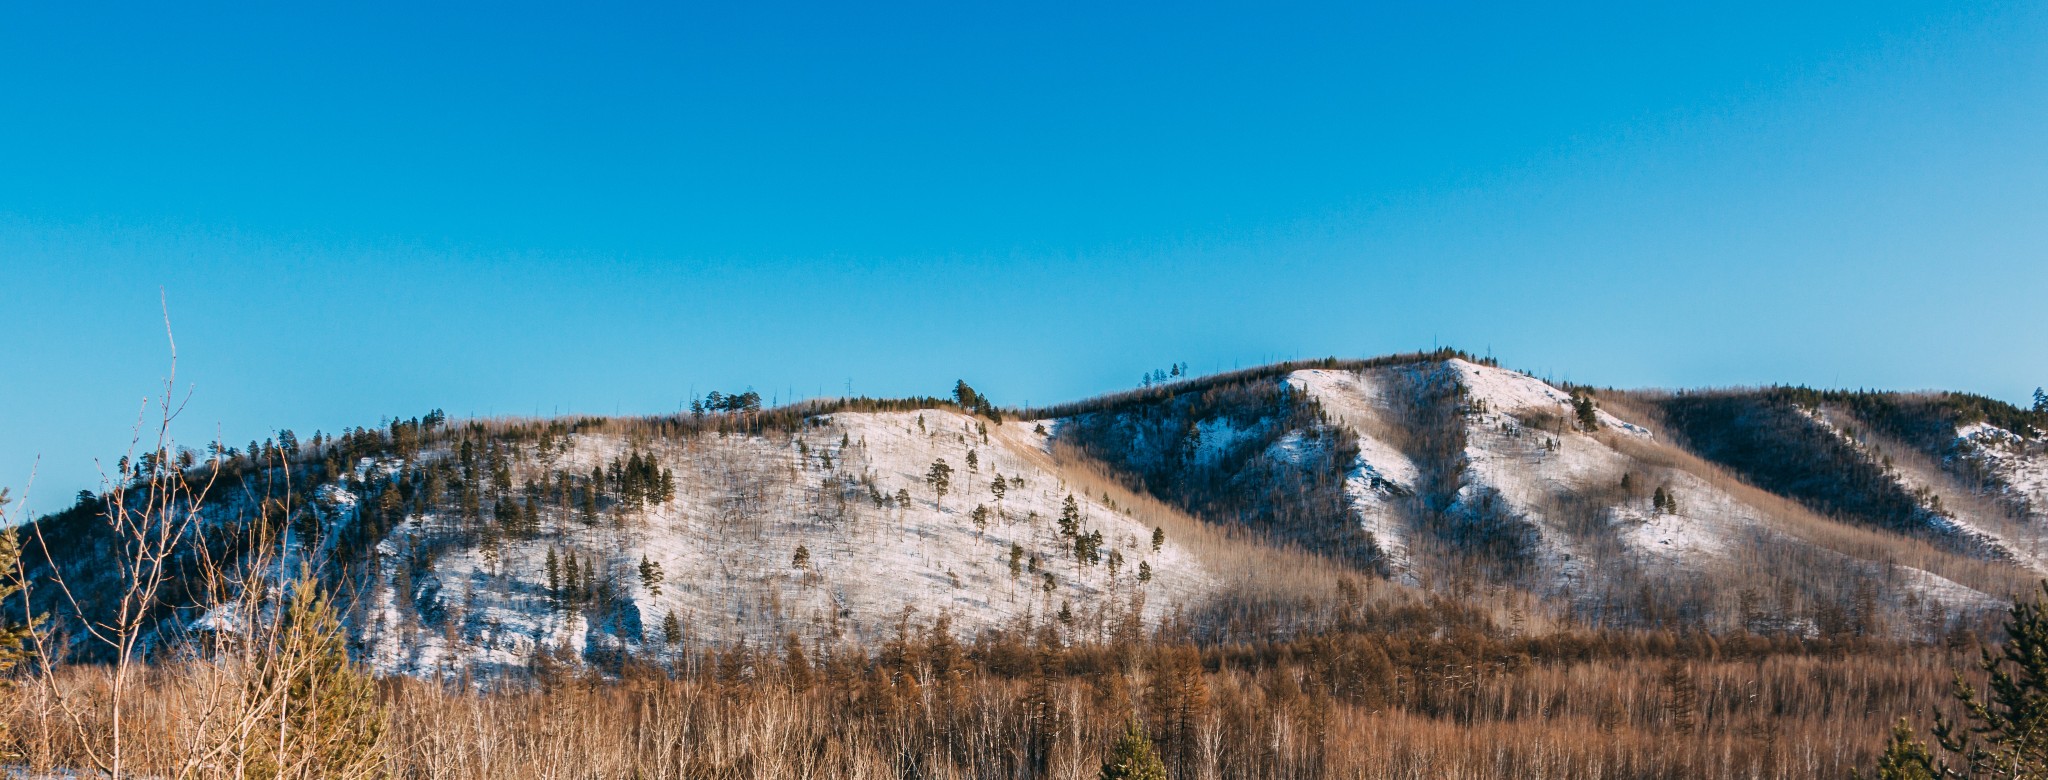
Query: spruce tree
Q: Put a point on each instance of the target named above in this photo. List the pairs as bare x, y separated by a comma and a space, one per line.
2004, 728
1905, 758
15, 648
1583, 408
554, 567
671, 629
1158, 538
331, 723
1132, 758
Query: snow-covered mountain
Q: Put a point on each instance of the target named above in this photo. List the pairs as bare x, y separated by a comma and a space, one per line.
1237, 505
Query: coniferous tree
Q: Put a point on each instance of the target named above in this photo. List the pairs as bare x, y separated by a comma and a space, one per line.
802, 558
14, 635
554, 567
2004, 732
330, 723
1144, 571
1158, 538
1070, 517
650, 576
1132, 758
671, 629
570, 596
1906, 758
940, 477
1583, 408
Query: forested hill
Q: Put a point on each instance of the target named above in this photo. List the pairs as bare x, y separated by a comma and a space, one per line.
1260, 504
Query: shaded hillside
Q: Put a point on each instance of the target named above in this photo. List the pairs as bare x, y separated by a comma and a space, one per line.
1253, 452
1777, 445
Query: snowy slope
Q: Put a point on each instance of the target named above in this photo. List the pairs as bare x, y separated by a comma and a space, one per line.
727, 543
1381, 474
1448, 475
1589, 534
2019, 464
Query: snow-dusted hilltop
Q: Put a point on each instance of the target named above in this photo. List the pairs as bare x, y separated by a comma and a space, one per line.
1239, 505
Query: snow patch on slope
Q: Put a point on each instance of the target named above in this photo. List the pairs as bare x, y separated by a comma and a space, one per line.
726, 543
1381, 473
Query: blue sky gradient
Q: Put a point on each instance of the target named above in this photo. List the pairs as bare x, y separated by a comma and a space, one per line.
363, 210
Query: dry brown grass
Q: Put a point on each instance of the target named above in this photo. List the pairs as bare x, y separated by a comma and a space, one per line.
1440, 710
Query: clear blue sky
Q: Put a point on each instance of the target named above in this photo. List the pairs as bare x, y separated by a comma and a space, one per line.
360, 211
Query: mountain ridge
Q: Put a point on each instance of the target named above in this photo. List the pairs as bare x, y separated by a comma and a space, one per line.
1232, 506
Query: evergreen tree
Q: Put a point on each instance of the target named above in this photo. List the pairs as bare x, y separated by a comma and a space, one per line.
2040, 401
998, 487
1016, 560
554, 567
802, 558
980, 516
1131, 758
1905, 758
650, 576
2004, 727
1144, 571
973, 461
15, 647
330, 723
940, 477
569, 580
1158, 538
1583, 408
671, 629
2010, 716
1070, 517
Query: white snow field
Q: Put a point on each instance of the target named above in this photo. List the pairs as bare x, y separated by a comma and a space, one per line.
1526, 457
745, 504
